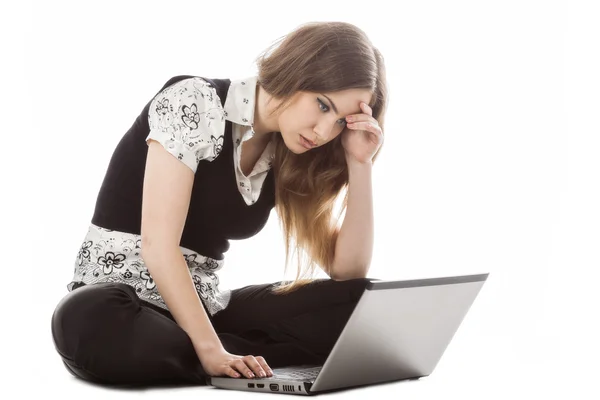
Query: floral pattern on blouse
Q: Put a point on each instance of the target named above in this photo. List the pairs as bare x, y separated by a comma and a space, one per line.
112, 256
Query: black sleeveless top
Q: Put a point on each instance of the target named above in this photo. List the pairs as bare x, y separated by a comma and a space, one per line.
217, 213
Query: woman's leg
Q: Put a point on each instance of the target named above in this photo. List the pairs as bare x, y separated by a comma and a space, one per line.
292, 329
106, 334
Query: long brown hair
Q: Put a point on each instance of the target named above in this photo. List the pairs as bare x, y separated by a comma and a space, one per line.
317, 57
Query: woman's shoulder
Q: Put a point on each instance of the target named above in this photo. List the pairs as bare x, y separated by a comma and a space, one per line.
188, 119
184, 88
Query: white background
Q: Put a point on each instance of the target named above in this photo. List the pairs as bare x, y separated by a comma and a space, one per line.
490, 164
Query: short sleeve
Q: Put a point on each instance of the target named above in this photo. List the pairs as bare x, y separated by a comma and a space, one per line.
187, 119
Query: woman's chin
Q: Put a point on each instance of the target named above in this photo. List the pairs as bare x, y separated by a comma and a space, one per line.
296, 147
297, 151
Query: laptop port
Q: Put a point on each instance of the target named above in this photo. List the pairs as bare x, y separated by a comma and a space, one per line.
251, 385
274, 387
260, 385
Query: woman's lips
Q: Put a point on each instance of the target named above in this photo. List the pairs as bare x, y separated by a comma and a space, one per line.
308, 142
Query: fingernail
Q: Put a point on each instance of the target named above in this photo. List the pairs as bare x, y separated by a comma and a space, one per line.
251, 375
262, 374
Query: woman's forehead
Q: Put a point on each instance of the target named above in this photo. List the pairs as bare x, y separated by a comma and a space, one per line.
348, 101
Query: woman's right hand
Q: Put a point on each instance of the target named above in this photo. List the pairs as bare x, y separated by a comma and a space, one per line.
218, 362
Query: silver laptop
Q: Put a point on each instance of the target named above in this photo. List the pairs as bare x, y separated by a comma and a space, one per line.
398, 330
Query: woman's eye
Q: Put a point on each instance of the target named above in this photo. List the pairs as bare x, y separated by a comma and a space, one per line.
322, 104
341, 121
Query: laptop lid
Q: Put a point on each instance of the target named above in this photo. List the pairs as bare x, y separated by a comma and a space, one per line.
398, 330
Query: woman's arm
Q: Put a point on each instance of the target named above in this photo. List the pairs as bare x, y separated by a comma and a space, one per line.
171, 167
166, 200
354, 244
171, 275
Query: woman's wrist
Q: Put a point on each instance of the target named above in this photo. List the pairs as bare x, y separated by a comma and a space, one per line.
207, 346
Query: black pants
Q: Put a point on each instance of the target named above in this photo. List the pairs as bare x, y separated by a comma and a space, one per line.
106, 334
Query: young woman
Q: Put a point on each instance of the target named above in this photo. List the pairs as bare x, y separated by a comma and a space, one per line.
205, 162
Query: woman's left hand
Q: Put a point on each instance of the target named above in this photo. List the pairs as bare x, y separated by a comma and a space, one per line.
362, 136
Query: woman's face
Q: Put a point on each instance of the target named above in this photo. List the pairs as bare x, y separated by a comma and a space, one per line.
314, 116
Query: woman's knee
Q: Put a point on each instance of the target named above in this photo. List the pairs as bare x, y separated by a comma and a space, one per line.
88, 313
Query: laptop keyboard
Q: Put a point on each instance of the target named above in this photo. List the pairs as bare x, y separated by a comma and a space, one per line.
296, 373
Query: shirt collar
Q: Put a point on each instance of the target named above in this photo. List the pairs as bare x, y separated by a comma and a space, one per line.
239, 108
239, 104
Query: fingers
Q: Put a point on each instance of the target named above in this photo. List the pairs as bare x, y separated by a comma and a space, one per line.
365, 107
243, 369
365, 126
264, 365
231, 372
251, 367
360, 118
367, 114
